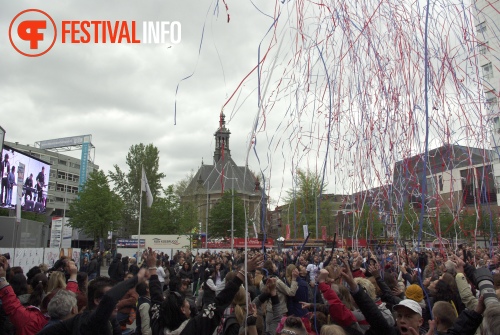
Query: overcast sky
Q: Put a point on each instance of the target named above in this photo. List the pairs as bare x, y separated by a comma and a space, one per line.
348, 75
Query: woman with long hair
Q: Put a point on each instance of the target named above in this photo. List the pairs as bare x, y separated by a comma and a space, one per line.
283, 291
185, 273
302, 294
57, 280
219, 274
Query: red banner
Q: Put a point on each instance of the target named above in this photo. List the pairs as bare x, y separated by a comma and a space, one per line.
323, 233
287, 232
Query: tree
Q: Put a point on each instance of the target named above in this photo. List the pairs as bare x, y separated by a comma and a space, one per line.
97, 208
219, 220
163, 214
304, 202
368, 223
169, 216
181, 185
487, 225
407, 223
128, 185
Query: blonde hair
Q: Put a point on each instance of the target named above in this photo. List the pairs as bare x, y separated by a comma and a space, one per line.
332, 330
56, 280
344, 295
43, 267
289, 270
368, 286
239, 303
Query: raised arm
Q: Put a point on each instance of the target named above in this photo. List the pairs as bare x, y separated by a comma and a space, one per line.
338, 311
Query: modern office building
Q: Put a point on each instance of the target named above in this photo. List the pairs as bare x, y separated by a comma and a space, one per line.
64, 176
488, 45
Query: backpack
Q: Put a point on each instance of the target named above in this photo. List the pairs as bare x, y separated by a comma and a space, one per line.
228, 322
228, 319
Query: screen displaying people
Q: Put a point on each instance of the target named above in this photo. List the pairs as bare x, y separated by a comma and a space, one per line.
36, 179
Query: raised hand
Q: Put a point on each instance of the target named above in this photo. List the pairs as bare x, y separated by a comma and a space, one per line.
374, 270
255, 262
347, 275
271, 286
323, 275
151, 260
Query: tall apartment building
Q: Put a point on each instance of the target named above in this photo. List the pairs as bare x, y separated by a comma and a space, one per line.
64, 176
487, 34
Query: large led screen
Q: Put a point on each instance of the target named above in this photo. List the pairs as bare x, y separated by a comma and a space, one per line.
36, 181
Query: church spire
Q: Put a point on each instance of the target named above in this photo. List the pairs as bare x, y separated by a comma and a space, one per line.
221, 140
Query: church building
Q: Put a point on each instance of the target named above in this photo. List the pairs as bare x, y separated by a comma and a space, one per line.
211, 181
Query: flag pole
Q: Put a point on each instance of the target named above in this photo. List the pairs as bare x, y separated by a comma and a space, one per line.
140, 218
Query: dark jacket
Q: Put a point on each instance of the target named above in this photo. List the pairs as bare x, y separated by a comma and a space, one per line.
293, 302
208, 294
134, 269
95, 321
115, 270
186, 274
92, 268
198, 274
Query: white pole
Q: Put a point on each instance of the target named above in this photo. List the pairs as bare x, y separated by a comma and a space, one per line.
65, 205
140, 217
206, 222
232, 217
317, 235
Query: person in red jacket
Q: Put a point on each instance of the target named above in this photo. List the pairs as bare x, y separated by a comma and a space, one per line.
339, 313
26, 320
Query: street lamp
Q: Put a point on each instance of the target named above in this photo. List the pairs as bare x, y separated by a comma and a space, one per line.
65, 204
232, 216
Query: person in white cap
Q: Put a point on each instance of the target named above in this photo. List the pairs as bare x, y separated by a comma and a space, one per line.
408, 316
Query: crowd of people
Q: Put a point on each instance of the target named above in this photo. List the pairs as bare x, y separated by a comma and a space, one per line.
294, 292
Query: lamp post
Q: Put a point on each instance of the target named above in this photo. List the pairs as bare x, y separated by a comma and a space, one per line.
317, 214
65, 205
232, 216
206, 223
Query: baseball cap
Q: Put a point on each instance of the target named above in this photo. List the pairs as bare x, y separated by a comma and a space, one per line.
411, 304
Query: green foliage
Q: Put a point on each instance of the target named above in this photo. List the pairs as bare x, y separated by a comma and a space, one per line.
128, 185
181, 185
219, 221
485, 222
408, 223
169, 216
96, 208
303, 203
368, 223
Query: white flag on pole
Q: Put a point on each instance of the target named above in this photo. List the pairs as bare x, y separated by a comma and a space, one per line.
145, 188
